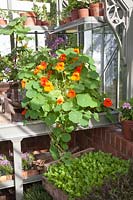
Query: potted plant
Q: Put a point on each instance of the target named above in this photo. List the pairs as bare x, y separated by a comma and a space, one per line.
62, 91
27, 165
126, 117
10, 64
96, 8
41, 13
74, 6
6, 169
3, 17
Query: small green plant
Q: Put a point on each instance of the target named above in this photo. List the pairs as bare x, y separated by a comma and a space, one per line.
27, 160
3, 14
126, 110
79, 177
5, 166
9, 65
36, 192
41, 12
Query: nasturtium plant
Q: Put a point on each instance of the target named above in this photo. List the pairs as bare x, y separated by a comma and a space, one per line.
63, 91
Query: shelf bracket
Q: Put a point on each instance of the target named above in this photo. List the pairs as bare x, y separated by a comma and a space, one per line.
117, 16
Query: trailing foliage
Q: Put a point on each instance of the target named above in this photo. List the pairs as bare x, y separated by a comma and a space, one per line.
36, 192
62, 91
79, 177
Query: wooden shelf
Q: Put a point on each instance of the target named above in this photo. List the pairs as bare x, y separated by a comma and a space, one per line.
87, 21
10, 183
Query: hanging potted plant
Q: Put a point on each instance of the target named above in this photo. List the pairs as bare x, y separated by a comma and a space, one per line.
126, 116
62, 91
96, 8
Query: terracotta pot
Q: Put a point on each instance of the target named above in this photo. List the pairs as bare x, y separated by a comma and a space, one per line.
31, 18
38, 22
96, 9
29, 173
3, 21
127, 129
44, 23
83, 12
74, 14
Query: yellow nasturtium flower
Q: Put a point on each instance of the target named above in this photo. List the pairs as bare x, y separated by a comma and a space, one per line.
75, 76
48, 86
60, 66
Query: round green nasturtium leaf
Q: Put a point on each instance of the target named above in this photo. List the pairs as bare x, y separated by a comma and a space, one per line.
69, 129
67, 106
75, 116
85, 100
66, 137
84, 122
64, 146
31, 94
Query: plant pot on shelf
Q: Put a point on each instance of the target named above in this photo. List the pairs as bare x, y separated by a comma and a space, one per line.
29, 173
3, 21
6, 178
30, 18
127, 129
96, 9
38, 22
83, 12
44, 23
74, 14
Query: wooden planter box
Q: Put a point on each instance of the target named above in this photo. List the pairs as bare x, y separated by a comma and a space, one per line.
56, 193
29, 173
6, 178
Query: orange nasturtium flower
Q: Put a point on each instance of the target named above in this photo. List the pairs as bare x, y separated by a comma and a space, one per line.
60, 100
23, 83
43, 81
107, 102
76, 50
78, 68
48, 86
71, 93
75, 76
62, 57
36, 71
60, 66
24, 112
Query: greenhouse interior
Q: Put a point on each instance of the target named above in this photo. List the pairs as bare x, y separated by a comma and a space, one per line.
66, 100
